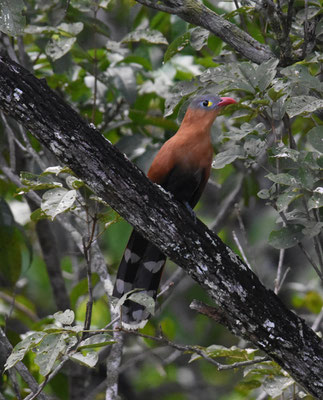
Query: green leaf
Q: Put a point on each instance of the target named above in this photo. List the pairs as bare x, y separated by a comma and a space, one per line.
56, 170
57, 201
234, 354
48, 352
286, 237
73, 182
65, 317
286, 152
275, 386
150, 36
20, 350
90, 359
37, 215
37, 182
13, 247
58, 46
199, 37
264, 194
312, 229
313, 301
284, 179
315, 137
254, 146
81, 289
303, 105
227, 157
284, 199
316, 201
266, 72
96, 341
72, 29
177, 45
12, 20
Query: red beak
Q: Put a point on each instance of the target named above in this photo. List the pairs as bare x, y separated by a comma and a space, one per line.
226, 101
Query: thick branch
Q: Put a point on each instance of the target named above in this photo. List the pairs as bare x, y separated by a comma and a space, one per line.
256, 313
197, 13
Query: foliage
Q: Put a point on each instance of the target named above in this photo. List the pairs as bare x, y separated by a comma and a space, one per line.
130, 71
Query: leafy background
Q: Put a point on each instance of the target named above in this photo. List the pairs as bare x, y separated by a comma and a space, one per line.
131, 71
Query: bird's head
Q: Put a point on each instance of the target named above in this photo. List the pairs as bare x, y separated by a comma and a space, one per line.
205, 108
209, 102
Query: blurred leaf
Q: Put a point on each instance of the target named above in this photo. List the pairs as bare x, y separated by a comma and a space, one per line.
264, 194
65, 317
57, 201
37, 182
56, 170
254, 146
275, 386
286, 237
266, 72
284, 179
13, 246
72, 29
177, 45
315, 137
227, 157
284, 199
73, 182
96, 341
150, 36
313, 301
233, 354
12, 20
58, 46
20, 350
302, 104
48, 352
90, 359
199, 37
81, 289
316, 201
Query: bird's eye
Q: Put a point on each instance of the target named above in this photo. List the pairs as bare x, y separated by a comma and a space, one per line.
207, 103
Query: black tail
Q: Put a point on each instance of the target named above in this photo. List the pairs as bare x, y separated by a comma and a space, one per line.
141, 268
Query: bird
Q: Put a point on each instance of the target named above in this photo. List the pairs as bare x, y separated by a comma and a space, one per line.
182, 167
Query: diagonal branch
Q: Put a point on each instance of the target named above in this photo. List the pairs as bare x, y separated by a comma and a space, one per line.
197, 13
255, 313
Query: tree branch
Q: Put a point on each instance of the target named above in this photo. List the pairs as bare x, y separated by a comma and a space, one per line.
197, 13
254, 312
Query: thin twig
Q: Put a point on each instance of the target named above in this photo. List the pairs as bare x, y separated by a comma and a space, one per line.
318, 320
235, 238
89, 304
195, 349
279, 271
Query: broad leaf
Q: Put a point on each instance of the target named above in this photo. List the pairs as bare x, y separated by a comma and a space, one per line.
286, 237
12, 20
49, 350
65, 317
150, 36
315, 137
57, 201
227, 157
58, 46
266, 72
20, 350
90, 359
303, 105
